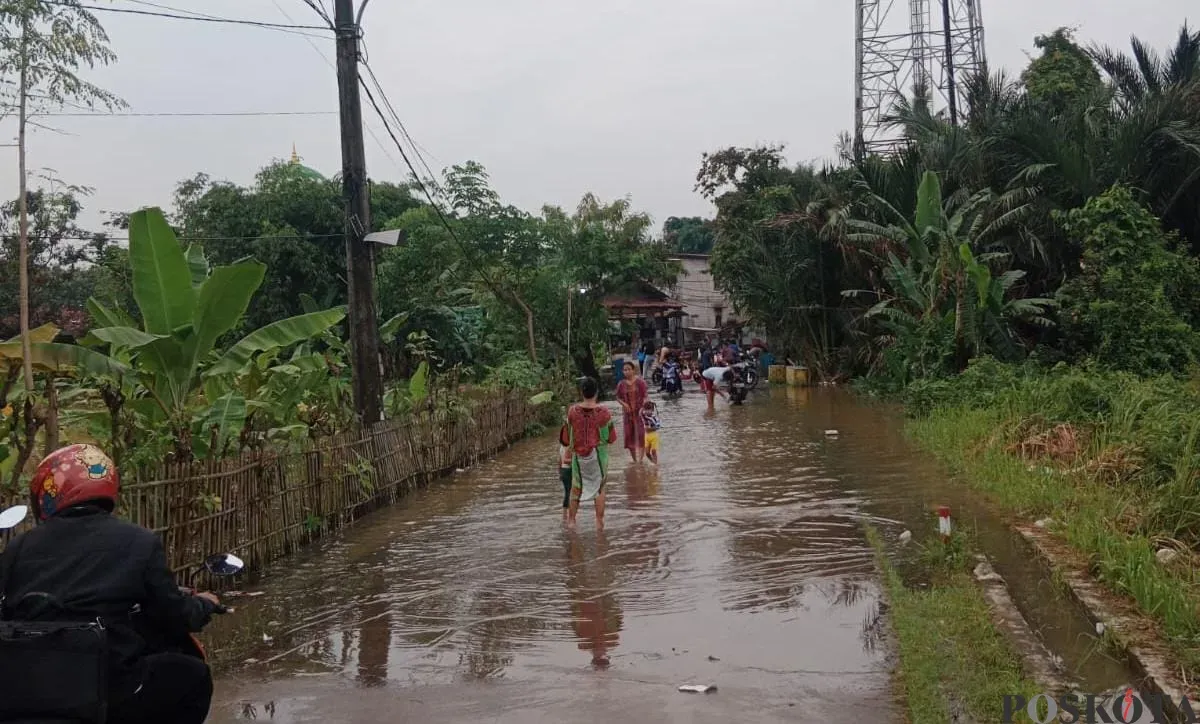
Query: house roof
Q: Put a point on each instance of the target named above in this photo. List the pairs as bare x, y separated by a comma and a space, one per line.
640, 299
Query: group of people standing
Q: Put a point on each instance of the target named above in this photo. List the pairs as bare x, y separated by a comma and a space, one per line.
589, 430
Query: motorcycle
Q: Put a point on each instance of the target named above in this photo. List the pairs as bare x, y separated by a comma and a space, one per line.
12, 517
221, 565
672, 383
187, 643
751, 369
739, 388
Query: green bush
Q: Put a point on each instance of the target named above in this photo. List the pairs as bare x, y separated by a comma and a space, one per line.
516, 372
1134, 303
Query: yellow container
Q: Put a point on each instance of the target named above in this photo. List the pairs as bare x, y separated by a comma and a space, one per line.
797, 376
777, 374
798, 396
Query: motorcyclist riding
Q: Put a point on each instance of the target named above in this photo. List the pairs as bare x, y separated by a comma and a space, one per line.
92, 565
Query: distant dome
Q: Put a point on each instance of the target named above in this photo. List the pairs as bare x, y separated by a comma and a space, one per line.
302, 170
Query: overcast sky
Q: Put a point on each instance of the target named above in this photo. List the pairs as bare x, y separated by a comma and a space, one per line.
554, 97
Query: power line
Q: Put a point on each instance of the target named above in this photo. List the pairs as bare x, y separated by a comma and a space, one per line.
177, 15
321, 11
317, 7
102, 236
396, 117
168, 8
437, 209
187, 114
411, 168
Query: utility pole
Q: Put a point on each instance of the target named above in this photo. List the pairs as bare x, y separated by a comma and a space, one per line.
23, 212
951, 81
360, 257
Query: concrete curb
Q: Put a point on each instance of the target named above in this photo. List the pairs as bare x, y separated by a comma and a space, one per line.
1038, 662
1127, 626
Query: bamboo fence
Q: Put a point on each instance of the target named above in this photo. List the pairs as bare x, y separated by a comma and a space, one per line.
263, 505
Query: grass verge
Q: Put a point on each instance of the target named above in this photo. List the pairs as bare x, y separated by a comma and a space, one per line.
952, 659
1116, 470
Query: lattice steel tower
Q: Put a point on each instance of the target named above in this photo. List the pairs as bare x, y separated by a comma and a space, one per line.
934, 44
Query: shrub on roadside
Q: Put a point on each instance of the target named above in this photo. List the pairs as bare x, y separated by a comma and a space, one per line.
1134, 306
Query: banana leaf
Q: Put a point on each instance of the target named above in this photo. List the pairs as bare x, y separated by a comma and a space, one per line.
228, 416
418, 385
197, 264
45, 333
542, 398
106, 317
56, 357
283, 333
162, 281
127, 337
222, 300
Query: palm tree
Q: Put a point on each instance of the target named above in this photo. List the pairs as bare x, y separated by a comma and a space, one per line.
1145, 73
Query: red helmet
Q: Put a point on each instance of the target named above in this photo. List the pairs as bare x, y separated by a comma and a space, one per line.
72, 475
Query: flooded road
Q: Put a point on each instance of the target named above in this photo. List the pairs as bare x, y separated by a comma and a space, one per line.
740, 562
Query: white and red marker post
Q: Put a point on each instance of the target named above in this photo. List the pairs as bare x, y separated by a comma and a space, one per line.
944, 527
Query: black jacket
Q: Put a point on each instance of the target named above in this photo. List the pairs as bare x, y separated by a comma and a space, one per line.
96, 565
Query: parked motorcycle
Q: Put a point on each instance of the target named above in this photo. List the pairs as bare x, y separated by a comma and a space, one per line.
738, 385
751, 371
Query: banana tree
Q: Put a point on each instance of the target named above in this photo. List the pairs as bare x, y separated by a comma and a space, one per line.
994, 312
936, 277
186, 308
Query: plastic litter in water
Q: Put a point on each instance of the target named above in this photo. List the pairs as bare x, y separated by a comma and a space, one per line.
698, 688
831, 433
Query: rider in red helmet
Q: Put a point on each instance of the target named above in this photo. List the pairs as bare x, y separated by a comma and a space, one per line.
91, 565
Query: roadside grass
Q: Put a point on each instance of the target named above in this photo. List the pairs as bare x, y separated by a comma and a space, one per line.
1117, 501
951, 656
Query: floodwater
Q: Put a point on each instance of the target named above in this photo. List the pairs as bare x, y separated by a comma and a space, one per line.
739, 562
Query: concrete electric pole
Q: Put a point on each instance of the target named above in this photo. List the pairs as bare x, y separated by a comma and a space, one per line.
360, 256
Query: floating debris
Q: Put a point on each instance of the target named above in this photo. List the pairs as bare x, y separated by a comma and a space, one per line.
831, 433
1099, 628
905, 537
698, 688
267, 638
1166, 555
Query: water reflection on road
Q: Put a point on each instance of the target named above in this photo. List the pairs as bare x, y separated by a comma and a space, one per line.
740, 562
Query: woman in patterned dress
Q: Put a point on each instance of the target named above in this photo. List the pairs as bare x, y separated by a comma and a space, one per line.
632, 393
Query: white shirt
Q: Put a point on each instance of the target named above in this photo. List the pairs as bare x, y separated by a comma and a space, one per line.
715, 374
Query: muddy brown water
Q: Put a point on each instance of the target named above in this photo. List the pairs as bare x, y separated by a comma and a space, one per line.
739, 562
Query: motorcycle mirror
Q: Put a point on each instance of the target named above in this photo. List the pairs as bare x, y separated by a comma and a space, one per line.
224, 564
13, 516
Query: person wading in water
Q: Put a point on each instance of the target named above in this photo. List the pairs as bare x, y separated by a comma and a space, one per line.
590, 432
632, 392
